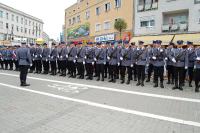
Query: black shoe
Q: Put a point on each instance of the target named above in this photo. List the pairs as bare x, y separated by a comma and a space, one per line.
128, 82
25, 85
98, 79
110, 80
102, 79
138, 84
155, 86
174, 88
148, 80
122, 82
114, 81
180, 88
196, 89
161, 85
190, 85
88, 78
142, 84
30, 71
172, 82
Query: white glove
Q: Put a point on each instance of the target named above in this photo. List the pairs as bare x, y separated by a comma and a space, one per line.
57, 56
76, 56
147, 65
41, 56
95, 59
104, 63
74, 61
131, 65
186, 67
51, 57
46, 60
31, 65
61, 57
35, 56
154, 57
66, 56
174, 60
121, 58
92, 63
118, 64
161, 50
166, 58
195, 67
198, 58
108, 58
85, 57
83, 62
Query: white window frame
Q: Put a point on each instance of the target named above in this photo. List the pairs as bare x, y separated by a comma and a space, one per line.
87, 14
107, 9
118, 3
1, 24
1, 14
97, 27
98, 13
105, 27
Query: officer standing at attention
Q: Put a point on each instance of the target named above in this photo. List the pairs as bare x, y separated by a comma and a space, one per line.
191, 60
158, 57
89, 60
100, 58
197, 69
1, 58
72, 60
180, 59
24, 58
113, 58
38, 59
32, 51
142, 60
45, 58
170, 64
126, 59
53, 59
63, 59
81, 50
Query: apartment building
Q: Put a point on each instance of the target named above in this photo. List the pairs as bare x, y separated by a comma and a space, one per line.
167, 17
93, 20
17, 26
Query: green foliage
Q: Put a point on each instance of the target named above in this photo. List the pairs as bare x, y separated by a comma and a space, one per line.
120, 25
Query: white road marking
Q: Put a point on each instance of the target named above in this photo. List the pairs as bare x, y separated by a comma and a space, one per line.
114, 90
113, 108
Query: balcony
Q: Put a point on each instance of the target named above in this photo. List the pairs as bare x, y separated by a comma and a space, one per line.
147, 7
179, 27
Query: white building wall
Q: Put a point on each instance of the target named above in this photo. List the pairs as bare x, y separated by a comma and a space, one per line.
163, 7
25, 17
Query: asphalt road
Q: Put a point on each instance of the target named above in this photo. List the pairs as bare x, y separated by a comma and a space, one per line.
63, 105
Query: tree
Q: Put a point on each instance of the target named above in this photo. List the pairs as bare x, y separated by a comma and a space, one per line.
120, 25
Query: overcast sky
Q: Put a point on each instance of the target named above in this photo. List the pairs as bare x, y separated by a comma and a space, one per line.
50, 11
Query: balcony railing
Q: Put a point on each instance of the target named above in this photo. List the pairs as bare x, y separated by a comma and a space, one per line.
175, 27
147, 7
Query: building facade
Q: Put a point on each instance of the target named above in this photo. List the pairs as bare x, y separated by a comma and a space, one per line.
45, 37
17, 26
155, 17
93, 20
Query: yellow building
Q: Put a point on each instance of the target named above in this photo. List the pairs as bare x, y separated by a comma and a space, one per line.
93, 20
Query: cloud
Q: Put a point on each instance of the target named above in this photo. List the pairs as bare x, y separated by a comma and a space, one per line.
50, 11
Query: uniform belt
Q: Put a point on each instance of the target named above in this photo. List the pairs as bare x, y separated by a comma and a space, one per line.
181, 60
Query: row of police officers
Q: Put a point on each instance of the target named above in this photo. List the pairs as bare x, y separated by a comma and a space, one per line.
115, 60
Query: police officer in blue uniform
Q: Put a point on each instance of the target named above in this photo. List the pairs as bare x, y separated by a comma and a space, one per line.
89, 60
63, 56
32, 51
24, 58
142, 60
45, 58
158, 57
191, 60
72, 60
38, 59
126, 58
113, 58
197, 68
180, 59
81, 51
53, 59
100, 59
1, 57
170, 64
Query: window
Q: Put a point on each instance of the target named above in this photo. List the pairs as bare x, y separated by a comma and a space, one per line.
70, 21
17, 28
117, 3
13, 17
1, 14
7, 16
29, 32
29, 23
87, 14
107, 7
17, 19
1, 24
98, 11
147, 23
78, 18
196, 1
7, 26
12, 27
22, 20
21, 29
74, 20
25, 31
98, 27
107, 25
26, 22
